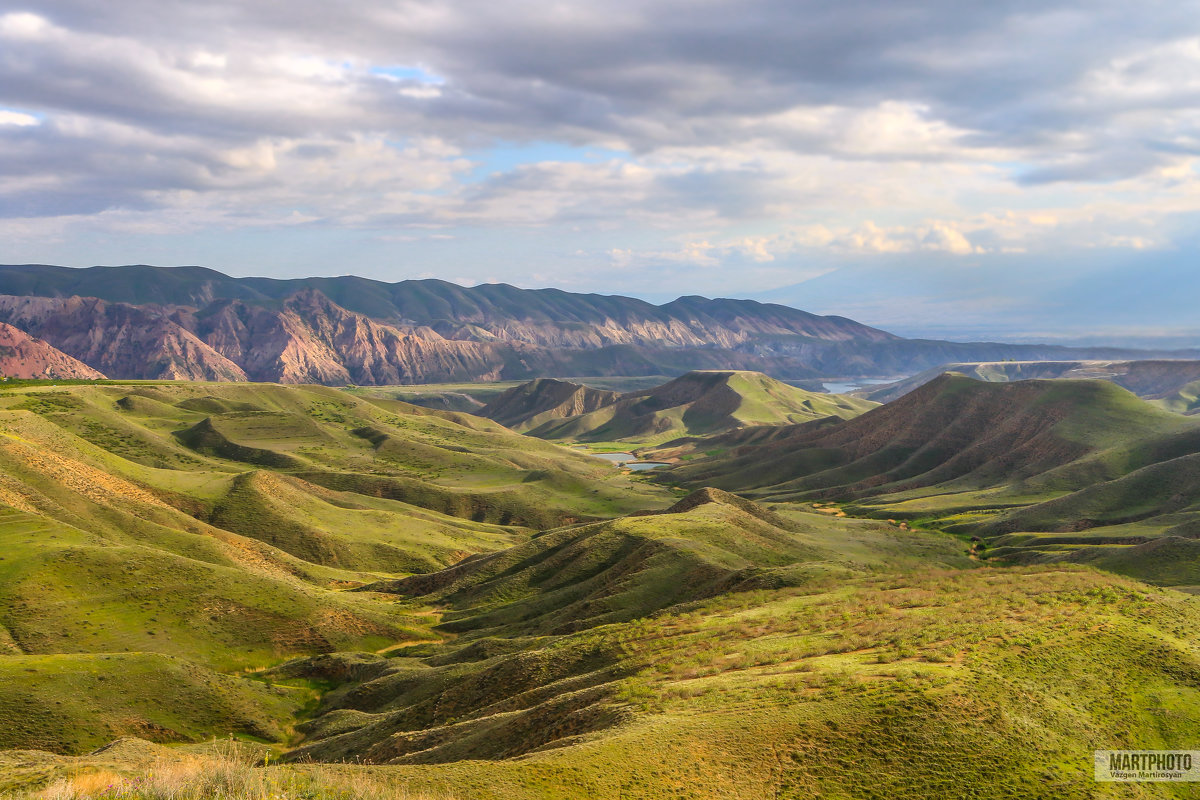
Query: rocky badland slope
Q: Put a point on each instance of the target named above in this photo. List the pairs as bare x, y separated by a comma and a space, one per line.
23, 356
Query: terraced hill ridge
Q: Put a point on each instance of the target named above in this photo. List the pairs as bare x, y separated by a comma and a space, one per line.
1048, 470
699, 403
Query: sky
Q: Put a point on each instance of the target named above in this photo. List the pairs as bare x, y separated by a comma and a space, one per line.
998, 169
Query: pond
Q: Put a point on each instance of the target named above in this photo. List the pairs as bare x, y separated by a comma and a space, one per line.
639, 466
845, 385
628, 460
616, 458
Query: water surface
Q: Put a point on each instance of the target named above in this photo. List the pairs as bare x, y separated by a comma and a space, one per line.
846, 385
628, 460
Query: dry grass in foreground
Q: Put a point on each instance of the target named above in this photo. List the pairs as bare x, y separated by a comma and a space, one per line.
220, 776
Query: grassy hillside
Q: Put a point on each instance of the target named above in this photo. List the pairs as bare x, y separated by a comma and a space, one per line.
1173, 385
934, 685
518, 677
699, 403
77, 703
471, 397
219, 525
822, 657
561, 580
1043, 470
408, 603
545, 400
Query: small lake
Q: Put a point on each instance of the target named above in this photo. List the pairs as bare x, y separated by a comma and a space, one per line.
616, 458
846, 385
628, 460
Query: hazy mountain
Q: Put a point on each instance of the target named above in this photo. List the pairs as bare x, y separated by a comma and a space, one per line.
1134, 298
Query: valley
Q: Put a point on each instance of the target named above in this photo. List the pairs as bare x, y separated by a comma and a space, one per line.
389, 599
642, 400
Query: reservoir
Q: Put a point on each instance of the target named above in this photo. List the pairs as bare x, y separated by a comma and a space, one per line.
628, 460
845, 385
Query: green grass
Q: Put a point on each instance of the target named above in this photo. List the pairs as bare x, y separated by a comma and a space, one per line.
564, 579
174, 586
862, 661
923, 683
61, 593
220, 524
77, 703
992, 460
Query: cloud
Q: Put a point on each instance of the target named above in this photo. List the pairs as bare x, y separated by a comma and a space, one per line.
17, 118
746, 133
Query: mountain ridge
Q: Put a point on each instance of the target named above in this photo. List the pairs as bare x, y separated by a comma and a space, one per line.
194, 323
1172, 384
699, 402
435, 302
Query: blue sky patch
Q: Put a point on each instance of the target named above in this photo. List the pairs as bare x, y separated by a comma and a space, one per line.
507, 156
408, 73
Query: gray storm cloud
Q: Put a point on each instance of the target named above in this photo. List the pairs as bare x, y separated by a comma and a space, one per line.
757, 127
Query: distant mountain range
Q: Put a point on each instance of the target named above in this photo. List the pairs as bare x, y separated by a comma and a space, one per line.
193, 323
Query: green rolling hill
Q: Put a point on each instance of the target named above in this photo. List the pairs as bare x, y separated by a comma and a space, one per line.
1042, 470
545, 400
699, 403
1173, 385
561, 580
723, 649
216, 526
383, 600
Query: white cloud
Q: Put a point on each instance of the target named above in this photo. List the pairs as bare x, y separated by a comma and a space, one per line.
17, 118
943, 237
805, 128
24, 25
